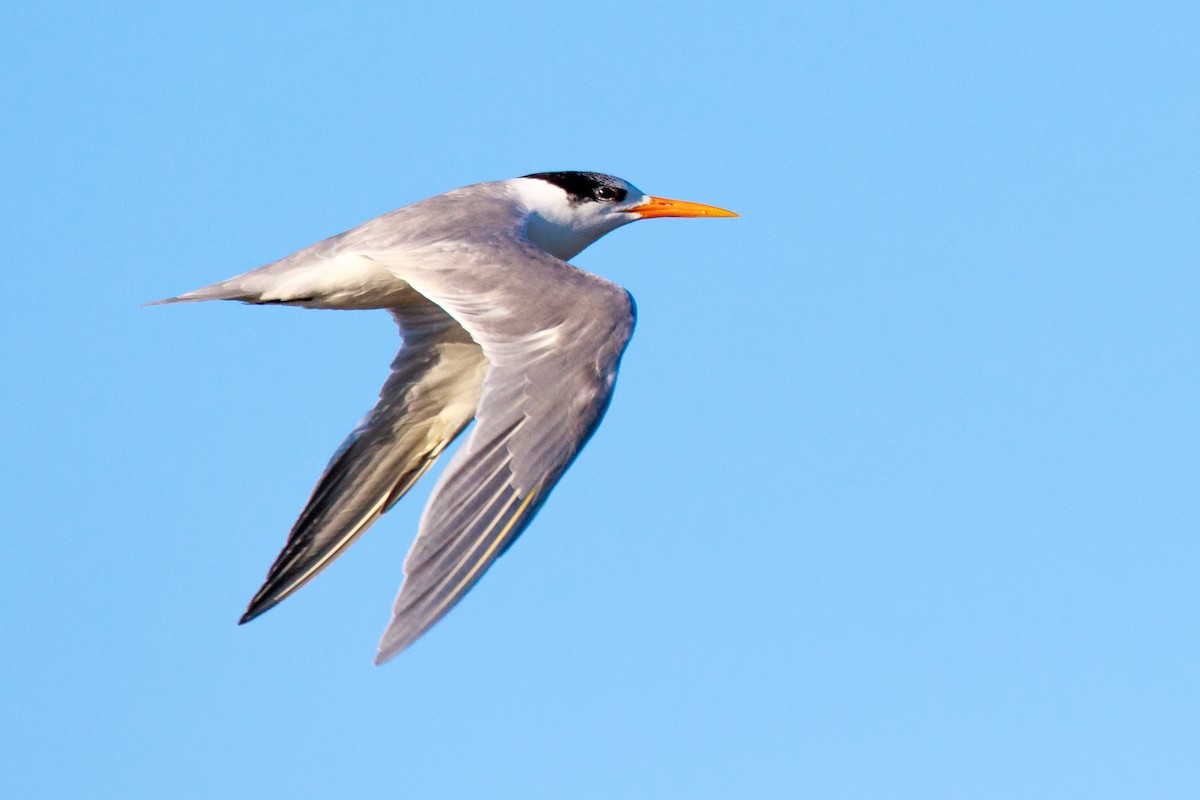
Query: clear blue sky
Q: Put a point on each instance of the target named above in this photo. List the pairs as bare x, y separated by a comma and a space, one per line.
897, 496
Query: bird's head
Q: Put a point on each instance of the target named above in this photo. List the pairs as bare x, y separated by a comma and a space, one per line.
570, 210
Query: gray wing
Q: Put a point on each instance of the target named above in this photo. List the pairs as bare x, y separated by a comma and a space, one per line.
553, 353
429, 398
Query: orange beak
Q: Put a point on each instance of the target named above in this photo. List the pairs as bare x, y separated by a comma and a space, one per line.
662, 207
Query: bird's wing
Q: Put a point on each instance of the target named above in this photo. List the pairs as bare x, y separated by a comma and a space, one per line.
429, 398
553, 336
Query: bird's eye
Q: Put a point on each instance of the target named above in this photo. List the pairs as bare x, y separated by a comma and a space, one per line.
609, 193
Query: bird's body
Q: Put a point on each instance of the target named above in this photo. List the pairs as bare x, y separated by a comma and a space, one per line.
497, 327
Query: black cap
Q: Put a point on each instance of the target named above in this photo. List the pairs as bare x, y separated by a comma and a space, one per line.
581, 186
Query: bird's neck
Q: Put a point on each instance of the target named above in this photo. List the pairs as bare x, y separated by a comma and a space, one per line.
558, 239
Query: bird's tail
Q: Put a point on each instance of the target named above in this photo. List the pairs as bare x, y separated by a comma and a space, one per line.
349, 281
225, 290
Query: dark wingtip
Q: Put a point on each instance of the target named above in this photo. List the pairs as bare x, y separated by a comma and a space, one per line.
256, 609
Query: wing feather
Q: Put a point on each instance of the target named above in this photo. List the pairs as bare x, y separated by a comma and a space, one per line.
548, 385
429, 398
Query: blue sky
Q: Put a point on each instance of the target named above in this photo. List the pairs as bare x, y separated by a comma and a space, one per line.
896, 497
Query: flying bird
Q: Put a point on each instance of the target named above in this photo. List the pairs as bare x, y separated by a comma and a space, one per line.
496, 327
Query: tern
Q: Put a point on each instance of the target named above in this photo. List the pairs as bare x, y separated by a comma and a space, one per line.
496, 327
